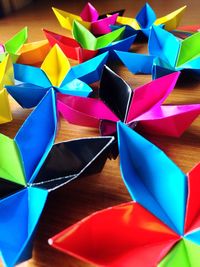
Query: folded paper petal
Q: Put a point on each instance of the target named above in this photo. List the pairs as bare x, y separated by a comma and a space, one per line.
163, 45
169, 120
184, 253
67, 19
5, 113
129, 21
56, 66
13, 45
9, 152
115, 93
136, 63
73, 159
70, 47
27, 95
152, 179
102, 26
125, 235
89, 13
37, 127
171, 20
20, 213
187, 54
84, 111
33, 53
27, 74
192, 220
88, 41
89, 71
146, 16
6, 72
8, 188
151, 95
76, 87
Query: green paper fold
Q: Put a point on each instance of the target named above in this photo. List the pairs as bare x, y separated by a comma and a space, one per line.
10, 163
189, 49
185, 254
88, 41
13, 45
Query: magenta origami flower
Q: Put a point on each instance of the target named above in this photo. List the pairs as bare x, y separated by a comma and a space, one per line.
141, 108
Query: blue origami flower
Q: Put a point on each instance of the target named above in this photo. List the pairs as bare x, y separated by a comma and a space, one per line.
56, 72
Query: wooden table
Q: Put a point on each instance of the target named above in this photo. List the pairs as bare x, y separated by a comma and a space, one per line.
82, 197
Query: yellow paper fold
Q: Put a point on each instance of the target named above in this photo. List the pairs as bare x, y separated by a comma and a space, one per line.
6, 72
5, 113
172, 20
128, 21
66, 19
56, 65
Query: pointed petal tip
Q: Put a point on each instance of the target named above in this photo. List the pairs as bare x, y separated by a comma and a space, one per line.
50, 241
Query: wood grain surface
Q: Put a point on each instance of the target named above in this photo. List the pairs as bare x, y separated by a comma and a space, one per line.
82, 197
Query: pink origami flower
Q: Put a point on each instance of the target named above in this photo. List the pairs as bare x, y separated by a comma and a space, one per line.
90, 18
141, 108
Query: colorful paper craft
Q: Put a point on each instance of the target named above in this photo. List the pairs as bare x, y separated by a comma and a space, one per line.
62, 77
146, 18
37, 169
160, 228
72, 49
33, 53
13, 45
167, 54
88, 41
142, 107
89, 18
19, 209
6, 77
25, 53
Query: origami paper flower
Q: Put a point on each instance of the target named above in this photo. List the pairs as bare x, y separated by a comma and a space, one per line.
6, 77
37, 168
25, 53
167, 54
88, 41
62, 77
118, 101
89, 18
72, 49
161, 226
147, 17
